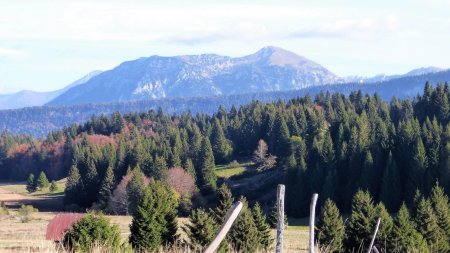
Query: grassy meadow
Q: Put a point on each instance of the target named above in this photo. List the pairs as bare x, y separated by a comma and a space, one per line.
16, 236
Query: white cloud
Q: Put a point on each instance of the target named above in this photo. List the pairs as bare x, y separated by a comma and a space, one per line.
12, 53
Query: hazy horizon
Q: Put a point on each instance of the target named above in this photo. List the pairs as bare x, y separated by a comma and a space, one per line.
46, 45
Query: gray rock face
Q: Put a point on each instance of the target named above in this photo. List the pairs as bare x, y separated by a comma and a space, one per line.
269, 69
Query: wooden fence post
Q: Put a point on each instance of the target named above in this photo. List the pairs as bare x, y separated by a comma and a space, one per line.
231, 216
312, 216
374, 235
280, 224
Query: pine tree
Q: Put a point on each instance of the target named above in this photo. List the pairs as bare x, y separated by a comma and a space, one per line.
265, 239
53, 186
244, 234
221, 147
154, 222
201, 229
405, 237
273, 218
107, 187
224, 202
280, 137
442, 210
427, 225
135, 189
42, 181
390, 186
73, 191
206, 176
159, 171
361, 222
330, 228
385, 230
31, 185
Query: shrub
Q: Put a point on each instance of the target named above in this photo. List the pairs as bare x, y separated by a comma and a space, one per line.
53, 187
26, 213
3, 209
92, 231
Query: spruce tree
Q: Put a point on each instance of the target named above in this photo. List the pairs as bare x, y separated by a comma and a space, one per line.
391, 193
159, 171
224, 202
405, 237
441, 208
42, 181
330, 228
361, 222
201, 229
31, 184
427, 225
220, 145
107, 187
207, 177
385, 230
280, 137
135, 189
74, 187
265, 239
244, 234
154, 222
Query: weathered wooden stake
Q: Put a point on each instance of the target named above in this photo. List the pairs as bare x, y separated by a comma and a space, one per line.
231, 216
312, 215
374, 235
280, 224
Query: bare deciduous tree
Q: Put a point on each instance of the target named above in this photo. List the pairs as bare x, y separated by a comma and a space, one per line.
181, 181
262, 158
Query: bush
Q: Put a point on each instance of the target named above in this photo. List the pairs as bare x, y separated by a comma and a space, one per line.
26, 213
53, 187
234, 164
3, 209
93, 231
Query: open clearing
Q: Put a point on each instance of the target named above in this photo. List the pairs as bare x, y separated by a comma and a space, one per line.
16, 236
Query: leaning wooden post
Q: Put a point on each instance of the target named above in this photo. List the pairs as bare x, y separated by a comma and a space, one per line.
374, 235
280, 224
312, 215
231, 216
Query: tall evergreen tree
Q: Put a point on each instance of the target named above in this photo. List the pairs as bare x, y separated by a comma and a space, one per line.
135, 190
391, 192
405, 237
107, 187
224, 202
205, 172
441, 207
154, 222
31, 184
427, 225
201, 229
221, 147
244, 234
42, 181
361, 222
330, 228
74, 186
280, 137
265, 239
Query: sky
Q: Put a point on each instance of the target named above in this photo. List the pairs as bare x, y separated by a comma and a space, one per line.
45, 45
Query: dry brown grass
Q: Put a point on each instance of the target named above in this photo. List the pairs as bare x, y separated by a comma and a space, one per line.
16, 236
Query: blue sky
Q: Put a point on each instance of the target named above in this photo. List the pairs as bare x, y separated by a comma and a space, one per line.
45, 45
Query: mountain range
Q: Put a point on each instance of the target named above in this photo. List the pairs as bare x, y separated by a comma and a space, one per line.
270, 69
27, 98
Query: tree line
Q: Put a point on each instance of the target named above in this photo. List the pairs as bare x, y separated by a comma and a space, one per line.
332, 145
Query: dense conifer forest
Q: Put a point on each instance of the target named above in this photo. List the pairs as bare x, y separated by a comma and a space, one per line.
333, 145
